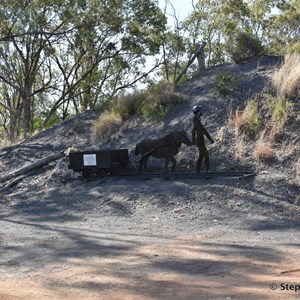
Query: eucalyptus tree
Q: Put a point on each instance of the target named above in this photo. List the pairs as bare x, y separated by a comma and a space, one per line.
271, 23
216, 22
109, 51
28, 31
63, 55
283, 28
173, 50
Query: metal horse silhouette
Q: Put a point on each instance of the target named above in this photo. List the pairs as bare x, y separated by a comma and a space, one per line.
166, 147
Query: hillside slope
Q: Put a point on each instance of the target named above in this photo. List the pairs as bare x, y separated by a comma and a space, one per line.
155, 239
229, 152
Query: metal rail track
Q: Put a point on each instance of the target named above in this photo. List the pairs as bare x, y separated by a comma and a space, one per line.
136, 177
239, 175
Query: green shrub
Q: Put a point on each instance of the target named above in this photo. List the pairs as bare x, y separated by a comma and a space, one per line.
248, 120
139, 103
128, 105
165, 92
295, 48
253, 116
246, 46
37, 123
152, 109
278, 109
226, 83
160, 88
151, 104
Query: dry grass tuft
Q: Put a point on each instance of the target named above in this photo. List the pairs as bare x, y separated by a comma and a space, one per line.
296, 173
248, 119
287, 78
221, 135
287, 150
272, 131
240, 148
275, 132
263, 149
107, 124
240, 120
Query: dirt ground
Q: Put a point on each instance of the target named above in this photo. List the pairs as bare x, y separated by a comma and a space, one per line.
155, 239
190, 268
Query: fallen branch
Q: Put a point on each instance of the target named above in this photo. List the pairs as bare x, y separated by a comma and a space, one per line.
14, 182
37, 164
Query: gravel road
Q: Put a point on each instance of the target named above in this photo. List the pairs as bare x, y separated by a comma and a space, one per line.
222, 238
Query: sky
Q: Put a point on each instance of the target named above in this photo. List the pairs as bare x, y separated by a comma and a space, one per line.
182, 8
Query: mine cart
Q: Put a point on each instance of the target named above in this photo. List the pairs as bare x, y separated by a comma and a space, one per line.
100, 162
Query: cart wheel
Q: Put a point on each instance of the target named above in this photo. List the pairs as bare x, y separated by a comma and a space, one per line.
101, 173
86, 174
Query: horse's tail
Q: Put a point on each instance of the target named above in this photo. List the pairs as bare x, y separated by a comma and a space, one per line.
136, 151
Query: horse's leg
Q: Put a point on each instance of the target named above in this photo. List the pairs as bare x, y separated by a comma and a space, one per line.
166, 165
140, 166
174, 161
143, 163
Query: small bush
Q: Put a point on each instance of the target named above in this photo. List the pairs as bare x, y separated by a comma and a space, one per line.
249, 119
295, 48
151, 104
287, 149
240, 149
263, 150
240, 121
267, 115
146, 105
152, 109
274, 131
278, 108
128, 105
226, 83
165, 92
107, 124
280, 111
287, 78
254, 118
170, 99
246, 46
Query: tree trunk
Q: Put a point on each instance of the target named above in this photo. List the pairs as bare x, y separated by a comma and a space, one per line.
200, 49
37, 164
200, 58
26, 100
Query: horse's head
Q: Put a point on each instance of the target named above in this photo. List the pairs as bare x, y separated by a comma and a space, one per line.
181, 137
